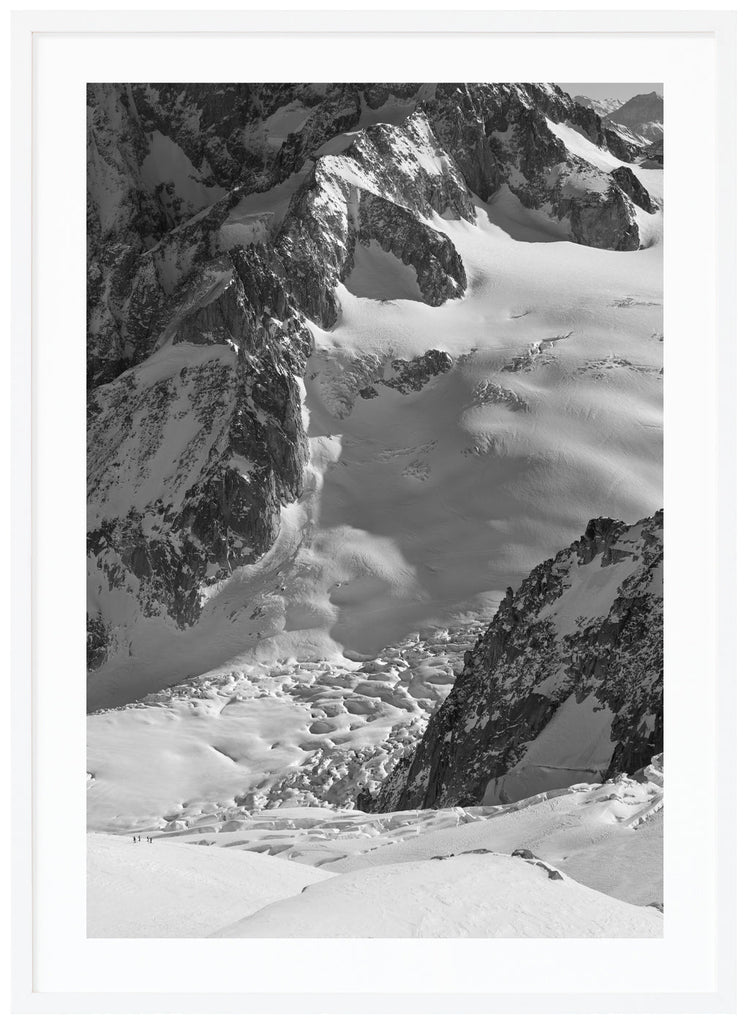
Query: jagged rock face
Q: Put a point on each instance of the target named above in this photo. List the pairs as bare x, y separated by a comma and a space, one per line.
599, 219
653, 155
410, 375
376, 190
195, 433
220, 218
499, 135
160, 155
633, 189
364, 377
621, 141
622, 144
188, 470
569, 670
97, 641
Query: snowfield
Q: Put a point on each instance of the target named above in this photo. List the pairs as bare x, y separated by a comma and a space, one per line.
151, 890
469, 896
595, 870
587, 830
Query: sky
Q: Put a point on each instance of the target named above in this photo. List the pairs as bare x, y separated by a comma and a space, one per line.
610, 90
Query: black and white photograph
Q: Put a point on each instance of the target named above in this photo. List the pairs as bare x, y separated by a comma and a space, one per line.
375, 510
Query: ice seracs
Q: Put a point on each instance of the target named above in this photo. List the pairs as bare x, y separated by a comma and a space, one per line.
219, 748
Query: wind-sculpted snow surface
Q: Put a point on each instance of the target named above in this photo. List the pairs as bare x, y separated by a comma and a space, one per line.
223, 225
474, 895
589, 829
566, 684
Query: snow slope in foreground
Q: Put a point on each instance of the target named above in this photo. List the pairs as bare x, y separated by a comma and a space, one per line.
169, 890
480, 895
607, 836
601, 836
411, 873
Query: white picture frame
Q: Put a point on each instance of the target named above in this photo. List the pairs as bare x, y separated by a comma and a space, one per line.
55, 968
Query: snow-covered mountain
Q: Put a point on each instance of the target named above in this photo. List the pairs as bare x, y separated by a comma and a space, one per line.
361, 359
643, 115
357, 363
267, 262
600, 106
565, 685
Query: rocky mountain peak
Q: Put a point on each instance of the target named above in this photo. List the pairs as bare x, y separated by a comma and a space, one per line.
565, 685
642, 114
221, 222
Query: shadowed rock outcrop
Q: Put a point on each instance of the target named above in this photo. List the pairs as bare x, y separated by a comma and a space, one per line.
570, 668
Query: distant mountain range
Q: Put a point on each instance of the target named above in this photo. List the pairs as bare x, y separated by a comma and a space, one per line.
643, 114
601, 107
